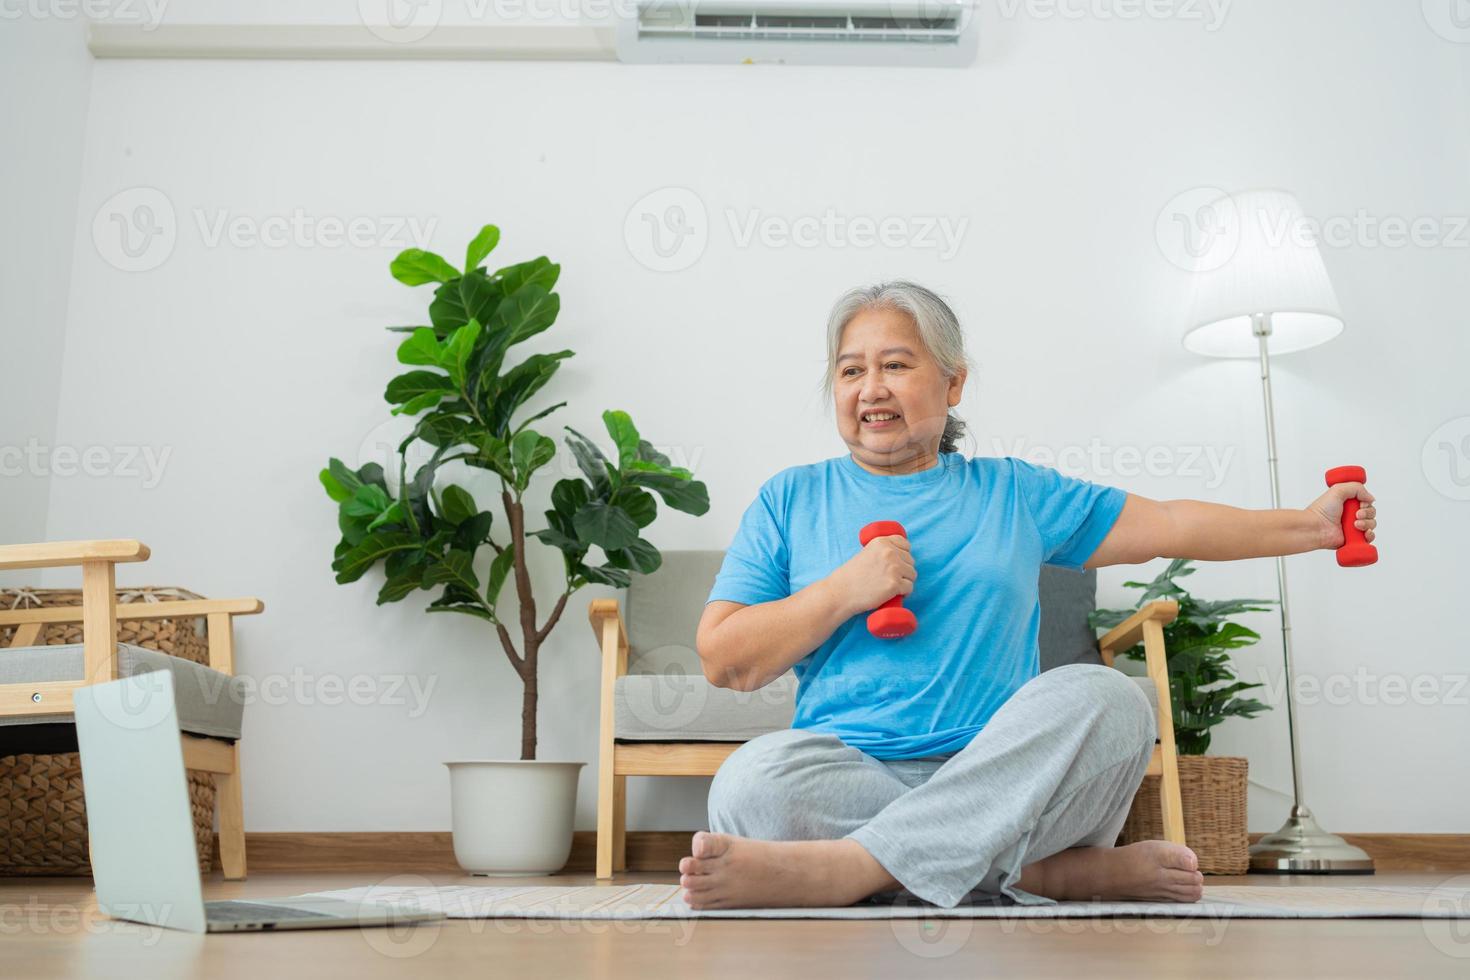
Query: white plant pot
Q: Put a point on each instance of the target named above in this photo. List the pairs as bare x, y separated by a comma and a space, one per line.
512, 817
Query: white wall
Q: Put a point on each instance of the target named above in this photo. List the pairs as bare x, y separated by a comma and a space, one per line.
1062, 148
46, 73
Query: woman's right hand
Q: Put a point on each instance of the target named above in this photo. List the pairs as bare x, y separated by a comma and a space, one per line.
882, 570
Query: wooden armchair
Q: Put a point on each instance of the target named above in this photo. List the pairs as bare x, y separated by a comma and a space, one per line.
657, 742
99, 614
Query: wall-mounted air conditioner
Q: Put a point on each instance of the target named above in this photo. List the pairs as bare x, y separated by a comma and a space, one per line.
814, 32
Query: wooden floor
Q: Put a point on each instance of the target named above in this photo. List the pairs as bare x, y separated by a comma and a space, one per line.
50, 927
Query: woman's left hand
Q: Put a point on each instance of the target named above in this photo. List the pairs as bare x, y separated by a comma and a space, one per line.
1328, 509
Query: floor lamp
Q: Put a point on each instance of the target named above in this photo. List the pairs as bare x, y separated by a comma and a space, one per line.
1260, 288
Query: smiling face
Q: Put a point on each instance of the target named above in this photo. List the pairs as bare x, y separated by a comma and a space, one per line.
890, 395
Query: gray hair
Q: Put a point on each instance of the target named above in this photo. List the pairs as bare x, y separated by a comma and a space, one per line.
939, 331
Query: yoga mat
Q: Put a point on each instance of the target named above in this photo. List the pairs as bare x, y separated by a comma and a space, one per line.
662, 901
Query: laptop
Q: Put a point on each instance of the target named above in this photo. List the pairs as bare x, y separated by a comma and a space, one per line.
144, 862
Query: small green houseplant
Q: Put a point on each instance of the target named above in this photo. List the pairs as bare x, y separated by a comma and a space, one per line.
1202, 682
427, 535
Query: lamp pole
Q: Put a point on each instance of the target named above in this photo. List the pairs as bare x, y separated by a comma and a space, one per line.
1301, 845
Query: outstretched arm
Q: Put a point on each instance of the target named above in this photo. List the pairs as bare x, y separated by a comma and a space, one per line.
1148, 529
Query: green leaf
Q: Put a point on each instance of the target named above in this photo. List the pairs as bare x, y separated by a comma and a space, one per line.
422, 347
492, 453
480, 246
457, 350
591, 461
648, 454
414, 267
525, 313
367, 501
400, 585
465, 608
680, 493
393, 515
529, 451
480, 296
625, 435
639, 504
458, 505
334, 488
520, 383
351, 566
473, 531
407, 387
568, 496
445, 430
345, 478
606, 526
541, 271
447, 312
498, 570
455, 568
639, 555
605, 575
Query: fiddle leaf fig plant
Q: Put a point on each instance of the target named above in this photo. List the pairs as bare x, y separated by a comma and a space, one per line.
1202, 681
468, 404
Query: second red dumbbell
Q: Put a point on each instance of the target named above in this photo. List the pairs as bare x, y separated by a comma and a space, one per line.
890, 621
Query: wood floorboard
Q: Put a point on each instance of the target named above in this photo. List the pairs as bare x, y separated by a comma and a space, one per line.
50, 928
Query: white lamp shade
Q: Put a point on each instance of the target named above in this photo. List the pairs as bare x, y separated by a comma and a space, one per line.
1257, 255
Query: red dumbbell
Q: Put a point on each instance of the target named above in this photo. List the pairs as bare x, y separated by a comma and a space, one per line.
890, 621
1355, 551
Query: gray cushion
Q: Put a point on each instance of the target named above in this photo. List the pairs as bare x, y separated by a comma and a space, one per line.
666, 698
683, 707
209, 702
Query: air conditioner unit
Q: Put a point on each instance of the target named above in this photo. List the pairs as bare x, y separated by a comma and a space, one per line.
812, 32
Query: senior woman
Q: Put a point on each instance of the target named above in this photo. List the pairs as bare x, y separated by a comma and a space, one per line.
942, 763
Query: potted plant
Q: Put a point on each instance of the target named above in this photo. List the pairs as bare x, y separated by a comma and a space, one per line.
509, 816
1204, 691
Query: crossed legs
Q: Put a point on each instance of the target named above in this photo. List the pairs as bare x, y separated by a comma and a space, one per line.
1030, 809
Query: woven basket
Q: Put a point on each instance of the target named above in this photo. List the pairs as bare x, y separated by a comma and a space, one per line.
1212, 789
43, 819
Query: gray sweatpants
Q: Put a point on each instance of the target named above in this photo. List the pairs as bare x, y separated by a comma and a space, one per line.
1056, 767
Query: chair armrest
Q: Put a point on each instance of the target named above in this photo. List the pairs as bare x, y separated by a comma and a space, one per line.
55, 554
1130, 631
607, 626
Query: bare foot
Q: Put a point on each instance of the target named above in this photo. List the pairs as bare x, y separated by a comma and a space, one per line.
1149, 870
728, 872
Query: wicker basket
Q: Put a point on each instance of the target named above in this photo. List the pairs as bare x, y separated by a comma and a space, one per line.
1212, 790
43, 819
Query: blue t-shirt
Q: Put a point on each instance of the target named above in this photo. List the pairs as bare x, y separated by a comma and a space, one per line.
979, 531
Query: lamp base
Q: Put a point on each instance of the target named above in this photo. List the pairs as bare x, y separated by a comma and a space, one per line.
1301, 846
